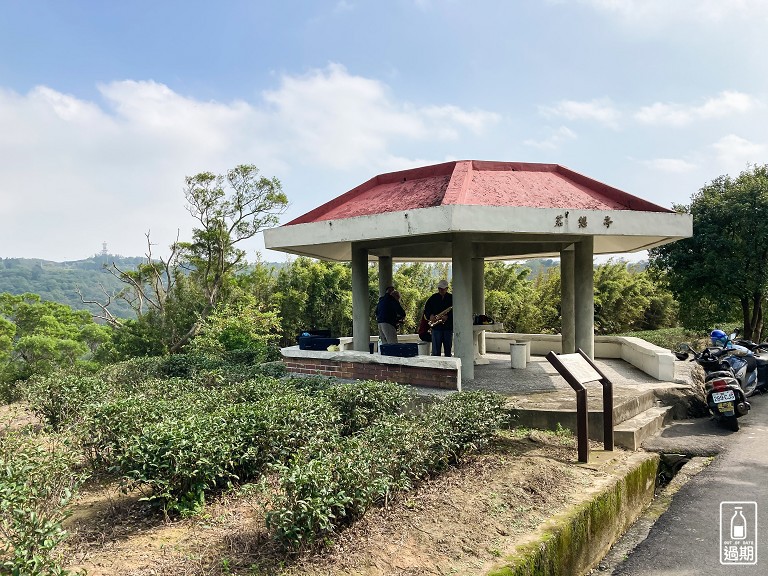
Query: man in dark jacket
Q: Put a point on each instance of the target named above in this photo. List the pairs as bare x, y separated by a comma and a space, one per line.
439, 312
389, 313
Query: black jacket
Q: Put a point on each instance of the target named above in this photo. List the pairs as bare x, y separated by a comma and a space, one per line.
389, 311
437, 304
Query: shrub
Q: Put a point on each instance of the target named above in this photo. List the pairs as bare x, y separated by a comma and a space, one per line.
230, 373
58, 397
131, 372
360, 404
187, 446
323, 491
187, 365
321, 494
36, 484
669, 338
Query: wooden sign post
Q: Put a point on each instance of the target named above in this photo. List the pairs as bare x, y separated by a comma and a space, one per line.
578, 370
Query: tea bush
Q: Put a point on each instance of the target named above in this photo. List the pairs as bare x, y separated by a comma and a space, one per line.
36, 484
180, 459
361, 404
131, 372
322, 492
204, 441
187, 365
58, 397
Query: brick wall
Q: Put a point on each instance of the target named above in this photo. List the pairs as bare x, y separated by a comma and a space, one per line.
415, 375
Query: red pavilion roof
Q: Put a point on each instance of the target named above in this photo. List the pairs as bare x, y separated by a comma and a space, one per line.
477, 183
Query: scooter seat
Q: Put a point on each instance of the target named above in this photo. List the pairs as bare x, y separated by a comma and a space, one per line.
718, 374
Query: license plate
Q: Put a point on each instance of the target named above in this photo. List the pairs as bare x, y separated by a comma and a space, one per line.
727, 396
725, 407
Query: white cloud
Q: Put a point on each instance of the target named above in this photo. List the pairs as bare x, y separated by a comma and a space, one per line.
735, 153
670, 165
476, 121
660, 12
602, 111
554, 141
78, 172
725, 104
342, 120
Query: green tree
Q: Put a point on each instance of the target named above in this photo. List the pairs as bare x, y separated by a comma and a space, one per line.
36, 337
621, 298
314, 294
172, 297
511, 298
229, 209
239, 325
725, 263
548, 298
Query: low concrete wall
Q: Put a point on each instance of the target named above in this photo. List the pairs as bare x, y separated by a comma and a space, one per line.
651, 359
574, 542
429, 371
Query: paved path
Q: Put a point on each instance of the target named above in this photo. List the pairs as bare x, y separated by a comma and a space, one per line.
686, 539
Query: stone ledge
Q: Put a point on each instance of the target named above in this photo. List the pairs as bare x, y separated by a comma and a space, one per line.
452, 363
430, 371
575, 541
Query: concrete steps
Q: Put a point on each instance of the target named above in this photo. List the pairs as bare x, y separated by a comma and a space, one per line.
631, 433
635, 418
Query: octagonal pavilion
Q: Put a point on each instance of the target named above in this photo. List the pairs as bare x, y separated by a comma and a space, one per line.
470, 211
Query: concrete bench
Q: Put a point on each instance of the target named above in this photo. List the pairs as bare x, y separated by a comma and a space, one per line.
653, 360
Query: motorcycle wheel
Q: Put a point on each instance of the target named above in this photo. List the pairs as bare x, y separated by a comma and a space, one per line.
732, 423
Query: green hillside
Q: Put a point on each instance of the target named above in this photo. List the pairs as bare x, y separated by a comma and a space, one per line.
59, 281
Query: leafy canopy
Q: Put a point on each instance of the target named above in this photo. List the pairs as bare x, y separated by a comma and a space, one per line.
725, 263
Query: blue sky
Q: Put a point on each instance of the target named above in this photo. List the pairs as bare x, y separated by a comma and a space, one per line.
106, 106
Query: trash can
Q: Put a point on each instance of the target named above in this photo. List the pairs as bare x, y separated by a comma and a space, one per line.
517, 354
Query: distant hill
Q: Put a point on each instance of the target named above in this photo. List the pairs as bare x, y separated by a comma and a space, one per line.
59, 281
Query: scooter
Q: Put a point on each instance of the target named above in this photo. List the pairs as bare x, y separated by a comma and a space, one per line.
725, 398
761, 361
744, 365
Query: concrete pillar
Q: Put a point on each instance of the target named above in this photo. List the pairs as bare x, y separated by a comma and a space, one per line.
361, 306
461, 262
567, 303
584, 295
478, 295
385, 273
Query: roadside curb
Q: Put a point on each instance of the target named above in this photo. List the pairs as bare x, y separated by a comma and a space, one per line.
576, 540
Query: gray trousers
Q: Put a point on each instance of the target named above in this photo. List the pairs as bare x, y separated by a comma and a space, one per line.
388, 333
